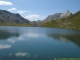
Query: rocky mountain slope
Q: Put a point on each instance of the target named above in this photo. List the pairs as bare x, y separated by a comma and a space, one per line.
7, 17
57, 16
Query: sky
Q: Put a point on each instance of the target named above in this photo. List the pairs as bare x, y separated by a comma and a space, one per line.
34, 10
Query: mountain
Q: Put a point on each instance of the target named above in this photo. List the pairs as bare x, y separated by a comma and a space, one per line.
70, 22
7, 17
57, 16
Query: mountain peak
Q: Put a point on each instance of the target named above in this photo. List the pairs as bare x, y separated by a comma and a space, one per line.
66, 14
67, 11
58, 16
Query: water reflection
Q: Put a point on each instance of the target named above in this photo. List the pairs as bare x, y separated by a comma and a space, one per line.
20, 38
22, 54
4, 46
23, 43
11, 40
66, 37
4, 34
34, 35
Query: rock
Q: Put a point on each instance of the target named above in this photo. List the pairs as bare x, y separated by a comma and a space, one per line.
57, 16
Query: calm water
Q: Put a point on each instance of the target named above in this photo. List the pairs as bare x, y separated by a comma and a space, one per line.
33, 43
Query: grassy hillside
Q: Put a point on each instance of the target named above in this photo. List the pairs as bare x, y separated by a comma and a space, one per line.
71, 22
53, 24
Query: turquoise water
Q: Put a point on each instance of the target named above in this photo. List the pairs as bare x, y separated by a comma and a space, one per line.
36, 43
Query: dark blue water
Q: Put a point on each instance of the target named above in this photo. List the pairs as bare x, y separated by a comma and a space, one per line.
34, 43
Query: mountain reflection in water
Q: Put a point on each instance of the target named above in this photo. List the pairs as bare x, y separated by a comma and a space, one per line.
6, 34
66, 38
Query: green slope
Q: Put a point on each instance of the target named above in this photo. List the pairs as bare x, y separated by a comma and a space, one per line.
11, 24
71, 22
53, 24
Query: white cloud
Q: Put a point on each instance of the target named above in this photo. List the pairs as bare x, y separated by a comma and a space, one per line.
30, 16
5, 2
21, 54
12, 9
12, 41
21, 11
4, 46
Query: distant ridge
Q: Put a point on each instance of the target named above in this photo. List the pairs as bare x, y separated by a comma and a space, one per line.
8, 17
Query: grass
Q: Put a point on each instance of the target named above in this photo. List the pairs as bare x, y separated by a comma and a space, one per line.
9, 24
71, 22
52, 24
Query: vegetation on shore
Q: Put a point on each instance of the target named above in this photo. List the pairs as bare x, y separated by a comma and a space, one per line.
11, 24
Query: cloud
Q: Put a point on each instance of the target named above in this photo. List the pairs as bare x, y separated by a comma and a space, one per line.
12, 41
30, 16
2, 46
5, 2
21, 11
22, 54
12, 9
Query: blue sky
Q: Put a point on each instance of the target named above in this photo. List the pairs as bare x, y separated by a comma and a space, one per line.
39, 9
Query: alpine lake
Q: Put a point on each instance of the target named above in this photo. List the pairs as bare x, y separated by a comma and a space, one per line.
37, 43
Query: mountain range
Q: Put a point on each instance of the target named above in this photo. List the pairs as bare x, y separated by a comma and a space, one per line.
57, 20
69, 20
8, 17
57, 16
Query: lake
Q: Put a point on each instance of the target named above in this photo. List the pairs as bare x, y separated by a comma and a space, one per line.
36, 43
